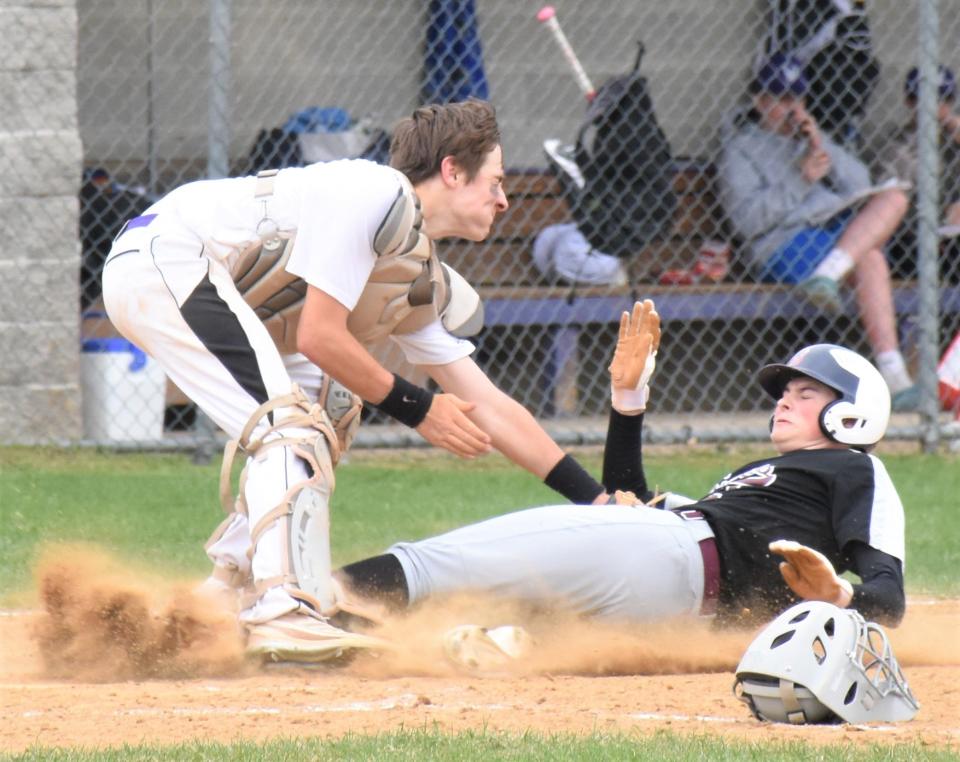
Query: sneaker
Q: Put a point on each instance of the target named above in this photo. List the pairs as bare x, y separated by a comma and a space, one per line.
822, 292
561, 157
302, 637
480, 649
906, 400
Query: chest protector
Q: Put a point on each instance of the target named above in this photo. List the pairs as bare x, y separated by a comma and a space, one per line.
408, 288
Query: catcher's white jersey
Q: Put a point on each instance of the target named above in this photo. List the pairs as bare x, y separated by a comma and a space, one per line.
175, 263
335, 209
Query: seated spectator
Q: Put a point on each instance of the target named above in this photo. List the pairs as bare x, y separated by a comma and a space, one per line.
900, 161
789, 191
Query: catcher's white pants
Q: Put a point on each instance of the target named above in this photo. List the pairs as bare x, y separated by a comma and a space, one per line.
153, 275
614, 562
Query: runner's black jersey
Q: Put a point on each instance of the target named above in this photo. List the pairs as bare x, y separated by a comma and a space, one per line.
825, 499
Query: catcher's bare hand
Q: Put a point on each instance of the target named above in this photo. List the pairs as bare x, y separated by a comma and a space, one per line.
810, 574
447, 426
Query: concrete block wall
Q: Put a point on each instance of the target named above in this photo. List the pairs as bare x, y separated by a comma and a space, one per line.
40, 160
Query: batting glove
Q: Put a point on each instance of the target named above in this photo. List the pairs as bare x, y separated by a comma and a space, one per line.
635, 358
810, 574
624, 497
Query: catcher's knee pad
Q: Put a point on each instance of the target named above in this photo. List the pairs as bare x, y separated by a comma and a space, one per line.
303, 514
228, 547
343, 408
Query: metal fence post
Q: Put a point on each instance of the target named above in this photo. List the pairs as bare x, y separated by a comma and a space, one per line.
218, 111
928, 206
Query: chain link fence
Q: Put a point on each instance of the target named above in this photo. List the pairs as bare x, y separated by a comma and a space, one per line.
179, 90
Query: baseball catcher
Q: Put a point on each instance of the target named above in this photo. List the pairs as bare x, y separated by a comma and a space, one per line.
769, 534
250, 291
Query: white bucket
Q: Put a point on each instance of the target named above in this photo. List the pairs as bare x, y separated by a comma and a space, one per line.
124, 392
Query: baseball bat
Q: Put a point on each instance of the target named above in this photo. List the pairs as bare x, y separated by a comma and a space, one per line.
548, 16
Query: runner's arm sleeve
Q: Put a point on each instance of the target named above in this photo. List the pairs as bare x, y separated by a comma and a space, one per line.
879, 596
623, 456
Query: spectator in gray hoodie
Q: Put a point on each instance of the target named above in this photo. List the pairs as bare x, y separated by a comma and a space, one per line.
791, 193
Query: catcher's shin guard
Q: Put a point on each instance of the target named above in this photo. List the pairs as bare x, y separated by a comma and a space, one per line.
302, 516
309, 542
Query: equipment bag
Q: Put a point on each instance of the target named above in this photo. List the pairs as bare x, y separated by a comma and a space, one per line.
628, 198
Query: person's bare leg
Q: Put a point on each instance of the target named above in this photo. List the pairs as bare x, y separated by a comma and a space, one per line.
875, 300
874, 224
868, 231
871, 277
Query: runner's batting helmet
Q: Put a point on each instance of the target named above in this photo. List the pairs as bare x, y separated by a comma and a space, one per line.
860, 415
817, 662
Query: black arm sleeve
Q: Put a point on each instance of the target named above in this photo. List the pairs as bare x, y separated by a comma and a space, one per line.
623, 456
880, 597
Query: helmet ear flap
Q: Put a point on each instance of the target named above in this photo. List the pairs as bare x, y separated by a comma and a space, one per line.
827, 432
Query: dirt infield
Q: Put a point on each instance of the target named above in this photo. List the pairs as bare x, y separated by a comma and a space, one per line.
111, 662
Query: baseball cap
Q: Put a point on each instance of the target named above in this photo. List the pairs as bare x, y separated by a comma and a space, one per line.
780, 75
946, 86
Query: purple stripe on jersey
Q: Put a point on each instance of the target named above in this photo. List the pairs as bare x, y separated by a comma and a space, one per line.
140, 222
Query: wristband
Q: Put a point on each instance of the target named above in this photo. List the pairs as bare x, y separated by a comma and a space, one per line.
845, 597
629, 401
406, 402
571, 480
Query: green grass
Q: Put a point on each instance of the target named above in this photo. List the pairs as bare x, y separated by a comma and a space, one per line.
418, 745
154, 511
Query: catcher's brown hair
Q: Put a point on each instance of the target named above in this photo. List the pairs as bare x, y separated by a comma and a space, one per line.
467, 131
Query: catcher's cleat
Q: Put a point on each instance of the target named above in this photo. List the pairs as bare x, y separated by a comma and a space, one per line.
220, 594
305, 638
480, 649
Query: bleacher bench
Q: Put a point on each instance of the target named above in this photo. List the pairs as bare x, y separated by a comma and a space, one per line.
516, 294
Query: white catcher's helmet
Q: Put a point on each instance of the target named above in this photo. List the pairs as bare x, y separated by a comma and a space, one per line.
860, 415
817, 662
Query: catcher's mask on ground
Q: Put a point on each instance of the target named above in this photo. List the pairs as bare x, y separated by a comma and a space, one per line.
817, 662
860, 415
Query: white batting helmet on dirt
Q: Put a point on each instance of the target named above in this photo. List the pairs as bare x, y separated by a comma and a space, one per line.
817, 662
860, 415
